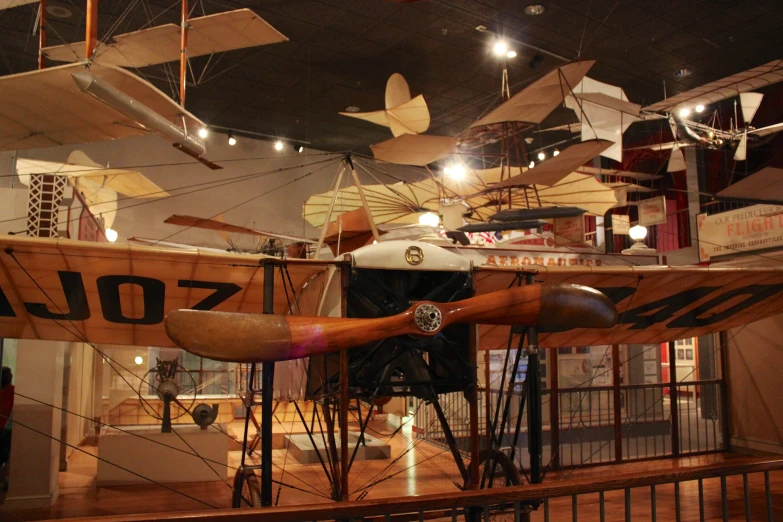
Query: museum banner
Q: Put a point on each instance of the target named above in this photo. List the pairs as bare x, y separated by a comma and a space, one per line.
742, 230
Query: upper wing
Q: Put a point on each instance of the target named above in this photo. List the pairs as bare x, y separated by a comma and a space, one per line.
655, 304
220, 226
762, 185
712, 92
67, 290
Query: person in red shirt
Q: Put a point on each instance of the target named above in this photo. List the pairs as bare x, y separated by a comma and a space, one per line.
6, 408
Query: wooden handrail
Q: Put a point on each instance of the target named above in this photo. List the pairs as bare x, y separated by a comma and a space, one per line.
447, 501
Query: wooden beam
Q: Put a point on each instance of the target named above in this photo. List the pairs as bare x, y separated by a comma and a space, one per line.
183, 49
91, 39
41, 34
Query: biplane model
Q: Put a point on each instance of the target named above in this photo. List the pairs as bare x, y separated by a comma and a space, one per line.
392, 318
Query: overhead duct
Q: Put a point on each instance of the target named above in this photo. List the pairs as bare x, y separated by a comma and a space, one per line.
139, 112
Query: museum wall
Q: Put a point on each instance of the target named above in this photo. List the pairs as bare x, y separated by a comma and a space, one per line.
188, 182
755, 356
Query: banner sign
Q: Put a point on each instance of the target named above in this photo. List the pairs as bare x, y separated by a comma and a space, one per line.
569, 231
742, 230
652, 211
620, 224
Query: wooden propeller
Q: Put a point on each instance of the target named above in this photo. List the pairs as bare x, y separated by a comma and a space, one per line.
234, 337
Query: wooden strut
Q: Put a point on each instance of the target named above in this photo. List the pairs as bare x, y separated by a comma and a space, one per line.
359, 188
345, 400
183, 57
91, 28
328, 217
267, 384
41, 34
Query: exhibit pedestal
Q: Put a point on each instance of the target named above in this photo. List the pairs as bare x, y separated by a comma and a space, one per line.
155, 457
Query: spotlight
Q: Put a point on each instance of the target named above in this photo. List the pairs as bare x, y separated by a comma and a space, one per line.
456, 172
511, 54
203, 132
534, 9
685, 112
429, 219
300, 149
111, 235
541, 155
139, 359
500, 48
555, 152
699, 108
278, 145
231, 139
532, 164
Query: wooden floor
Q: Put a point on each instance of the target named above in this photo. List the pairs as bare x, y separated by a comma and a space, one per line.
416, 468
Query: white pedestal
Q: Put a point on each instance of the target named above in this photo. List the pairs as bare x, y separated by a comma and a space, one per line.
151, 459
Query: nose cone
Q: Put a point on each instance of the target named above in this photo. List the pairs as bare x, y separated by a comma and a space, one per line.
575, 306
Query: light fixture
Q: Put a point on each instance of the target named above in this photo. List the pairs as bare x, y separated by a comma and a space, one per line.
500, 48
535, 9
541, 155
203, 133
511, 54
59, 11
111, 235
555, 152
139, 359
231, 139
532, 164
685, 112
638, 233
682, 73
300, 149
429, 219
699, 108
455, 171
278, 145
352, 108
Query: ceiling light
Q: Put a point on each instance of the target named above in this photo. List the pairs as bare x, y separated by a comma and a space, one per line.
203, 132
532, 164
682, 73
300, 149
278, 145
541, 155
699, 108
139, 359
231, 139
555, 152
511, 54
535, 9
528, 140
352, 108
500, 48
59, 11
685, 112
455, 171
111, 235
429, 219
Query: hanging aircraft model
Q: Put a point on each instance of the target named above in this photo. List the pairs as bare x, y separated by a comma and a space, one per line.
680, 109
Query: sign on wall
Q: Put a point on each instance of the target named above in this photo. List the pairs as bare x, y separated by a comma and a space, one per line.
742, 230
569, 231
620, 224
652, 211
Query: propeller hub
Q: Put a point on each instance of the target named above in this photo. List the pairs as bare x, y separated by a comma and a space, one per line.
428, 317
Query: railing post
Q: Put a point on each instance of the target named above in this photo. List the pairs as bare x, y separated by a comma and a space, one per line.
473, 408
673, 400
554, 407
267, 384
724, 395
618, 421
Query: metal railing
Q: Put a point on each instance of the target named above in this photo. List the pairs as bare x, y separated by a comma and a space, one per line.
707, 492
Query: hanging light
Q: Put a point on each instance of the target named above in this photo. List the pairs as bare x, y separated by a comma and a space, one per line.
700, 108
203, 133
300, 149
511, 54
685, 112
231, 139
555, 152
278, 145
541, 155
139, 359
455, 171
429, 219
111, 235
532, 164
500, 48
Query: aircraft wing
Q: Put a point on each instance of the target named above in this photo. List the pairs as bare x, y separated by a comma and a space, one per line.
64, 290
8, 4
655, 304
718, 90
220, 226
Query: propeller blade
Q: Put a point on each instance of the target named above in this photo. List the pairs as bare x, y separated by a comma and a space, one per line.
233, 337
742, 149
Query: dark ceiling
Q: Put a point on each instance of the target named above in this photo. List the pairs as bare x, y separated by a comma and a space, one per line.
341, 52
